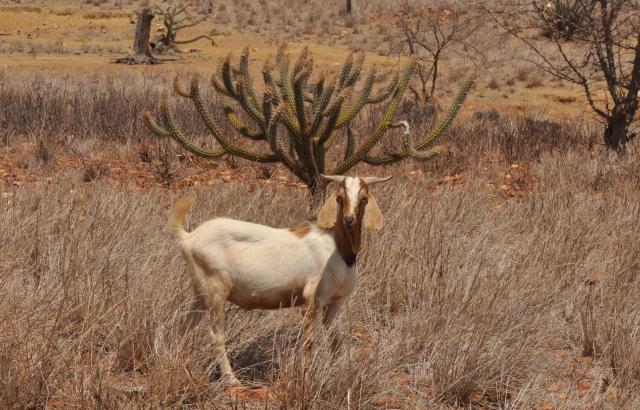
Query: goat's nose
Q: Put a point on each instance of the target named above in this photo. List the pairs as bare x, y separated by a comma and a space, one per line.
349, 220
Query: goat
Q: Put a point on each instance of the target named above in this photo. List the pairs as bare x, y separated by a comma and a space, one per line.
259, 267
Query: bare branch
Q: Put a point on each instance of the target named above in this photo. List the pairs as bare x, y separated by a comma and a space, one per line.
598, 53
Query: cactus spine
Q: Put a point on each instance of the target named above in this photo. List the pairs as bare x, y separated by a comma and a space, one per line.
299, 120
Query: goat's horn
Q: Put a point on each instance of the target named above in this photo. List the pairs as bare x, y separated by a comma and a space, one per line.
374, 180
334, 178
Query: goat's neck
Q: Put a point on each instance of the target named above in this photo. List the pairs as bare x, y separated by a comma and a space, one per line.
348, 242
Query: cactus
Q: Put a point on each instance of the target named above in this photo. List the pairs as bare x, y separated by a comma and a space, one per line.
299, 120
566, 18
175, 19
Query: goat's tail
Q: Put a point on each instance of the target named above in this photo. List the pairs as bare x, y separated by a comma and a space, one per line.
176, 220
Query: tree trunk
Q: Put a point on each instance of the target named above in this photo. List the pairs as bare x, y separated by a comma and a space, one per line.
616, 132
349, 7
141, 54
435, 76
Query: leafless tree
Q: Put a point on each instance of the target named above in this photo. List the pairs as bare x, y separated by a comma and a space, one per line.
428, 33
141, 54
602, 55
175, 19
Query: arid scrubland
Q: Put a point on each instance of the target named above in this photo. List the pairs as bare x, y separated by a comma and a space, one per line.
464, 298
507, 274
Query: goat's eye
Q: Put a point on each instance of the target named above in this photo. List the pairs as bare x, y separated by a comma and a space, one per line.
364, 201
339, 199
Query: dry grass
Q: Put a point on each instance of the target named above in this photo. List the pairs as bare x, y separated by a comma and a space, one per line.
72, 111
506, 276
72, 107
463, 298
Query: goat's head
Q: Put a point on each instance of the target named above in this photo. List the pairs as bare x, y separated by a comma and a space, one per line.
351, 205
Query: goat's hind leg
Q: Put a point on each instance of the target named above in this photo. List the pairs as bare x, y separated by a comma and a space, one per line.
218, 341
211, 292
200, 304
218, 293
199, 307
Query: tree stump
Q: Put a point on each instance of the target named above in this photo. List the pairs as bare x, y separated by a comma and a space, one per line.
141, 54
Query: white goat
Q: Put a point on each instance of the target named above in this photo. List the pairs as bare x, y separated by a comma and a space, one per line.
259, 267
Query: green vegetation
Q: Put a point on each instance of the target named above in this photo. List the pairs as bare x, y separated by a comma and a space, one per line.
300, 120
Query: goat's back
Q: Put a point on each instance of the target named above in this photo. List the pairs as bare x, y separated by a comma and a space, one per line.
258, 257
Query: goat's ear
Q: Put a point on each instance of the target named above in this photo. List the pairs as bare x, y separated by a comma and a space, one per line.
328, 213
372, 216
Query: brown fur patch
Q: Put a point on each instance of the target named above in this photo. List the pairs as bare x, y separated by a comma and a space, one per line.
301, 231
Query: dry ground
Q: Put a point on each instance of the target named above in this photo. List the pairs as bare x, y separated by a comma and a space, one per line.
468, 296
70, 36
506, 276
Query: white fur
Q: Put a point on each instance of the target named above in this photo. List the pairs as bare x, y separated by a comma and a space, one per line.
262, 262
256, 266
352, 187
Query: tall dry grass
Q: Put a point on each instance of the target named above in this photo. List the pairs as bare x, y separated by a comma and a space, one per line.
467, 298
464, 298
79, 113
68, 107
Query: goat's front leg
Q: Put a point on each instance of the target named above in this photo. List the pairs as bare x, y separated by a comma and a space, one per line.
329, 315
313, 303
309, 325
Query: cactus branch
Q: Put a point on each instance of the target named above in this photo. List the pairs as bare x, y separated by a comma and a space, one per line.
274, 141
179, 89
215, 131
409, 149
247, 96
147, 117
355, 72
386, 121
236, 123
227, 80
346, 69
360, 102
350, 146
450, 116
414, 151
298, 120
178, 136
385, 92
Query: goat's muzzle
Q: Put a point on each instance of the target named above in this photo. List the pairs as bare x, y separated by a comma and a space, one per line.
349, 222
